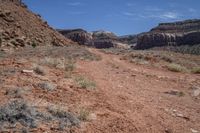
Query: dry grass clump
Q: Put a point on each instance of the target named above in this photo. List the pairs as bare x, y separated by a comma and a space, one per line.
84, 114
40, 70
85, 83
60, 63
196, 70
176, 68
47, 86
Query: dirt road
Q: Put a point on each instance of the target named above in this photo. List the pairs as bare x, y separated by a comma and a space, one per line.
133, 98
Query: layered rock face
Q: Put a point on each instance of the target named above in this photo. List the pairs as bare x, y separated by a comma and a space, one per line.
78, 35
98, 39
19, 27
171, 34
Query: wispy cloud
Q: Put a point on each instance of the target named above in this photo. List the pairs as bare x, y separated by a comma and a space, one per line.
169, 15
130, 4
128, 13
74, 4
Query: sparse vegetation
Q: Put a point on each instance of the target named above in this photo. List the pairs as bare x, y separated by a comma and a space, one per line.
40, 70
114, 66
84, 114
196, 70
157, 58
18, 111
67, 65
16, 93
187, 49
66, 118
85, 83
176, 68
47, 86
70, 66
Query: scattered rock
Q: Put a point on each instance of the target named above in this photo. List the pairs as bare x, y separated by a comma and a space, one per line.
92, 116
175, 113
175, 92
18, 21
195, 91
194, 131
27, 71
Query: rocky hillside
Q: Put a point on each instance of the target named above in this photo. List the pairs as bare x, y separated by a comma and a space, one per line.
20, 27
171, 34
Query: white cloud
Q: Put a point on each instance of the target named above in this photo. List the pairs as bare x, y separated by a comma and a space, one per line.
74, 4
169, 15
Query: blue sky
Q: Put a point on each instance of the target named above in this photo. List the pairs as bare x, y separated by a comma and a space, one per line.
119, 16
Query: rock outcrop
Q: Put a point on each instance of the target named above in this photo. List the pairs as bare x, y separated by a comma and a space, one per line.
20, 27
171, 34
97, 39
78, 35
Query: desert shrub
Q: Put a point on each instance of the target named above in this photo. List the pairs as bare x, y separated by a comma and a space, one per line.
70, 65
176, 68
40, 70
65, 118
16, 93
196, 70
18, 111
53, 62
60, 63
85, 83
84, 114
187, 49
47, 86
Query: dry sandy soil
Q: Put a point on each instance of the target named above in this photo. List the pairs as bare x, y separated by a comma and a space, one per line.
127, 97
